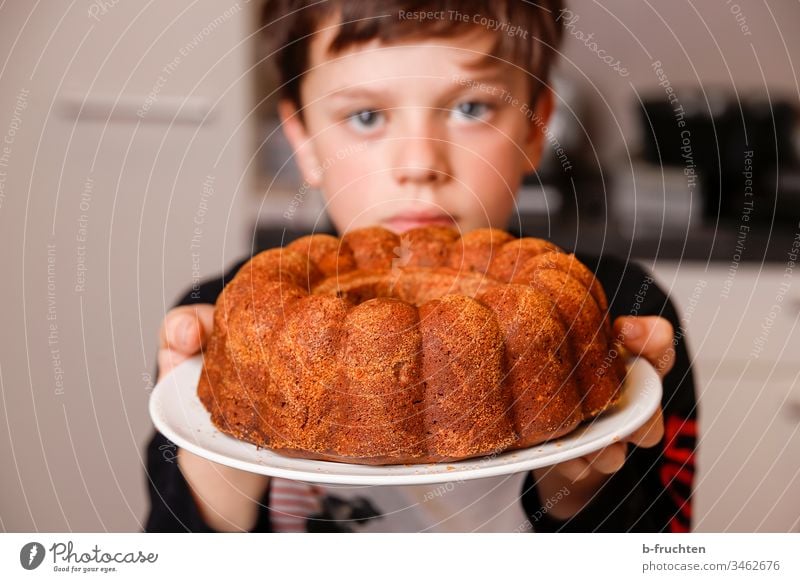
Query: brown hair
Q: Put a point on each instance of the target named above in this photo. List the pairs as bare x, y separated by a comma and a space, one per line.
528, 33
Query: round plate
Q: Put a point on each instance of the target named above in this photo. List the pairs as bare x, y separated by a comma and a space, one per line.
180, 416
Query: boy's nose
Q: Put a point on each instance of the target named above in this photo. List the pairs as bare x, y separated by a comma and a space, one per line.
420, 160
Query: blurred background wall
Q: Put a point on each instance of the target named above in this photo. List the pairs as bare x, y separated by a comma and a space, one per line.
132, 132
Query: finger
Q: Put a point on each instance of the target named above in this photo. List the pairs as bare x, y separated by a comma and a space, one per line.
175, 327
186, 328
651, 337
650, 433
608, 460
574, 469
183, 333
205, 322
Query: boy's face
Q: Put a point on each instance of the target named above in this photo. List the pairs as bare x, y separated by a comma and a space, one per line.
413, 133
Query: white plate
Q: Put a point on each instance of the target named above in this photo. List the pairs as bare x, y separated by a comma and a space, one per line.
180, 416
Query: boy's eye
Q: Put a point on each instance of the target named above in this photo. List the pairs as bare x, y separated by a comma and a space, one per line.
471, 110
366, 119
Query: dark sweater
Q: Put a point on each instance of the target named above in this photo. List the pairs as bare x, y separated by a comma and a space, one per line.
651, 493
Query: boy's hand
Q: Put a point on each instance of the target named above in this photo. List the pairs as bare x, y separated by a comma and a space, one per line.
184, 331
226, 498
652, 339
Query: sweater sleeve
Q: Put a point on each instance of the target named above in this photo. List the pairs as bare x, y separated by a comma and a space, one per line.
652, 492
172, 506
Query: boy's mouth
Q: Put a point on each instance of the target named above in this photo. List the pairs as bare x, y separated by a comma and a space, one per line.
404, 221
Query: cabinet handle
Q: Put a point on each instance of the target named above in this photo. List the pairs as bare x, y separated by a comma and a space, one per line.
163, 110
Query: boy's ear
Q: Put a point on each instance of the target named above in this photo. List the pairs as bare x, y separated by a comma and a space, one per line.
537, 128
296, 133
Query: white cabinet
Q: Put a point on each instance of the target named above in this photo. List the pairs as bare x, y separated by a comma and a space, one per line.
742, 326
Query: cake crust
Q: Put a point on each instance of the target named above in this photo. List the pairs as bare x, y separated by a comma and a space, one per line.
427, 347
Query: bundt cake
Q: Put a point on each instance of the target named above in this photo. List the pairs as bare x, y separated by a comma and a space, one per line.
429, 346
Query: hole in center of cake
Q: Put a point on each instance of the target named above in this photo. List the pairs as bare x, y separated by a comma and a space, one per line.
414, 285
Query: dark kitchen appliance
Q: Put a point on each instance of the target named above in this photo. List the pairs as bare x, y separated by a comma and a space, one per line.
741, 150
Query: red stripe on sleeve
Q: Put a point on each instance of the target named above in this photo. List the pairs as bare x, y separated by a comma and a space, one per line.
680, 435
670, 472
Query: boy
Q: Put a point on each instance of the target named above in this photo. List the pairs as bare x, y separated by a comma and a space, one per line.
407, 113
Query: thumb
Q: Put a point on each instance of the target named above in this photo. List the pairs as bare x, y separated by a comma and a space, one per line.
184, 332
186, 329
